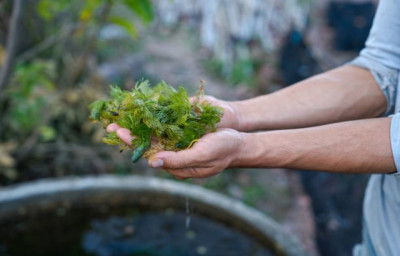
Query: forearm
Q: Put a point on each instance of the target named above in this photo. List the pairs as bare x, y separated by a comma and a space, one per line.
345, 93
357, 147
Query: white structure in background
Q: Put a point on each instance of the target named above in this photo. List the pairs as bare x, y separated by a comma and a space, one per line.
226, 24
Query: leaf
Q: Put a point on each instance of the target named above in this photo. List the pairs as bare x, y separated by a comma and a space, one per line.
85, 15
95, 109
112, 139
89, 9
43, 8
143, 8
47, 133
140, 150
125, 24
48, 9
115, 91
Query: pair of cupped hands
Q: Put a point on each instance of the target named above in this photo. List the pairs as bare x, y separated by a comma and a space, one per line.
213, 153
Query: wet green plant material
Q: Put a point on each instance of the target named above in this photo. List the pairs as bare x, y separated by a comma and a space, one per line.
160, 113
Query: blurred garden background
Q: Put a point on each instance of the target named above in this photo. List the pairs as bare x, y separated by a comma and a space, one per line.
56, 57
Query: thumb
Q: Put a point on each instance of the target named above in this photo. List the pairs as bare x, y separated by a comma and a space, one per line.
174, 160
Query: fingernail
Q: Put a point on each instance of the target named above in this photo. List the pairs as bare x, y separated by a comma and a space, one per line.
113, 127
157, 163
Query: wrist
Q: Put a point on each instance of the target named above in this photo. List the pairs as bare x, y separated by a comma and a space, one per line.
250, 114
239, 113
248, 151
263, 149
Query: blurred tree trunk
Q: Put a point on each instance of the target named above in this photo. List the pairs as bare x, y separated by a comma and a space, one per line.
13, 43
5, 17
25, 30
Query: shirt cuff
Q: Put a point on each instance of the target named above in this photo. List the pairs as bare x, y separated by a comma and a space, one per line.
385, 77
395, 141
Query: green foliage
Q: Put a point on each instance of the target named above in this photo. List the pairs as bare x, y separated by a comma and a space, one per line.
51, 83
47, 133
143, 9
160, 112
243, 71
253, 193
127, 25
28, 98
89, 8
27, 76
48, 8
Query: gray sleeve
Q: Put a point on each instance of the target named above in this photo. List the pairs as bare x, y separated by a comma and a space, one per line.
387, 79
383, 43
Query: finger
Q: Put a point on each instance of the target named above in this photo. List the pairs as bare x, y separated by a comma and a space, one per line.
210, 99
155, 162
180, 178
180, 174
113, 127
191, 172
125, 135
177, 174
175, 160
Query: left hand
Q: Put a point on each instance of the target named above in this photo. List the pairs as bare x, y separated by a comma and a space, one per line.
209, 156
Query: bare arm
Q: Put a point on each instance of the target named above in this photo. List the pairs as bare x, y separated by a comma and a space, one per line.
361, 146
344, 93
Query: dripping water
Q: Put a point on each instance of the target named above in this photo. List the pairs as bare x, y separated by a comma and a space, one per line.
187, 206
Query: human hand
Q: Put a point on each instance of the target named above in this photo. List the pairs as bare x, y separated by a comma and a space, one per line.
209, 156
217, 146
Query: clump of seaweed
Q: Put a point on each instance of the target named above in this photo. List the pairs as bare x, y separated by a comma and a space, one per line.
161, 113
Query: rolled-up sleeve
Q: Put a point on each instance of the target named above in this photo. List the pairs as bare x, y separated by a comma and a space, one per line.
387, 79
381, 56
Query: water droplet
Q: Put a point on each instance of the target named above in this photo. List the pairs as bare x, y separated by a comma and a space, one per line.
187, 206
201, 250
190, 234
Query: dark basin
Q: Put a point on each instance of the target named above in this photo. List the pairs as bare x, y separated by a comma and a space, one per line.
133, 215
